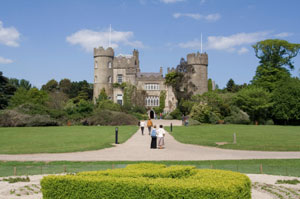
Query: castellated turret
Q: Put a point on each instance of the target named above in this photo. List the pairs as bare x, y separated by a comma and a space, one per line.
199, 78
103, 71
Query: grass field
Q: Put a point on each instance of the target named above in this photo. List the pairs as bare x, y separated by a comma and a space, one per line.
24, 140
289, 167
249, 137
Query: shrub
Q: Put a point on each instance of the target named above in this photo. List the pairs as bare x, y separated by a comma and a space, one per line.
269, 122
237, 117
176, 114
106, 117
109, 105
213, 118
193, 122
139, 116
148, 182
168, 117
201, 113
13, 118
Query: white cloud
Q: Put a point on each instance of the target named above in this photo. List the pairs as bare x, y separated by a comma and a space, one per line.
9, 36
230, 42
243, 50
284, 34
171, 1
195, 44
89, 39
5, 61
213, 17
197, 16
227, 43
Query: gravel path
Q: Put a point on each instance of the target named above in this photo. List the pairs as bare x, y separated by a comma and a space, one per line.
31, 190
137, 148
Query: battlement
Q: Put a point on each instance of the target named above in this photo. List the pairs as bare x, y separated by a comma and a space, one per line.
101, 52
197, 58
169, 70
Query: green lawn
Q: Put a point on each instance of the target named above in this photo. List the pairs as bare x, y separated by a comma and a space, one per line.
249, 137
289, 167
24, 140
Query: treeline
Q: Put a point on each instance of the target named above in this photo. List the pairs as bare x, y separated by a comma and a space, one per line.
273, 96
60, 103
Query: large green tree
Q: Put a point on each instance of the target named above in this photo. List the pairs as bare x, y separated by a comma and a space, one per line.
33, 96
275, 58
6, 91
286, 99
255, 101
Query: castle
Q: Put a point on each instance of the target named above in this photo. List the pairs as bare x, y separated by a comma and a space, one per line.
110, 69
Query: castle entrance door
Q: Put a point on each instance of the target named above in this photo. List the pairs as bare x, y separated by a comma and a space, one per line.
152, 114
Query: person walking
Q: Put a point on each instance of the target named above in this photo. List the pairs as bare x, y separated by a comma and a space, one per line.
149, 125
153, 138
161, 135
142, 124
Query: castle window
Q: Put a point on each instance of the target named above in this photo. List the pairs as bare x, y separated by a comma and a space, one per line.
152, 87
120, 78
96, 77
152, 101
120, 99
96, 64
109, 79
109, 64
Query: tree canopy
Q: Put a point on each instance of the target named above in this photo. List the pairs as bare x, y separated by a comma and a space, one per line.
274, 55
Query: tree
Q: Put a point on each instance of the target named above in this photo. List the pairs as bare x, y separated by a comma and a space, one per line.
180, 80
255, 101
82, 88
34, 96
162, 101
230, 86
102, 95
7, 90
20, 83
286, 109
209, 83
65, 86
274, 56
51, 85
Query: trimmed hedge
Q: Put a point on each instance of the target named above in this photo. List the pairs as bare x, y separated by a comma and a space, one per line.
149, 181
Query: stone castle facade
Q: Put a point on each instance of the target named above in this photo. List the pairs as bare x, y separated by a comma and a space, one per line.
110, 69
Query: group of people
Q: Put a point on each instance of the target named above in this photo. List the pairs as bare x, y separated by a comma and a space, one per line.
157, 134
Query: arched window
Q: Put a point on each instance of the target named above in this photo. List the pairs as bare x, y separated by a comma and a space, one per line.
96, 64
109, 79
96, 78
109, 64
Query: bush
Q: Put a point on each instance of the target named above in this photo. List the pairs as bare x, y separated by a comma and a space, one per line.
168, 117
109, 105
213, 118
13, 118
237, 117
149, 182
106, 117
139, 116
176, 114
193, 122
269, 122
203, 113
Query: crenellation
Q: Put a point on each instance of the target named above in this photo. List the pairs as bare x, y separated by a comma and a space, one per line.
100, 52
199, 58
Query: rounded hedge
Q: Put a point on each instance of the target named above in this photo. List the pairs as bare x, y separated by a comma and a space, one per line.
149, 181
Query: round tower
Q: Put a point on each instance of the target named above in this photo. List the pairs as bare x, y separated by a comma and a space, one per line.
103, 71
199, 78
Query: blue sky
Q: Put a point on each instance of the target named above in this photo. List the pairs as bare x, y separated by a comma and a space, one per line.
41, 40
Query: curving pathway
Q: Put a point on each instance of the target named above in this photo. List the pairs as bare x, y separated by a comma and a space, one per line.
137, 148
